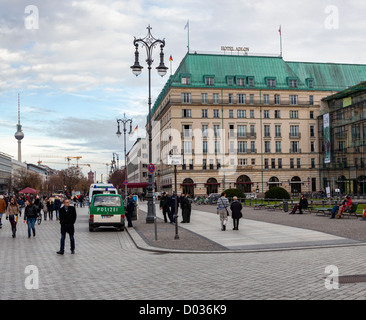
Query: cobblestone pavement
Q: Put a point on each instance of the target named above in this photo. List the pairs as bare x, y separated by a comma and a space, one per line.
107, 265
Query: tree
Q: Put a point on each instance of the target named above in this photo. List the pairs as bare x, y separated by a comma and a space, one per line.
70, 177
24, 178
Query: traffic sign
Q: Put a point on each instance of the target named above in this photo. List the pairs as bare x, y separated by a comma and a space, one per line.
125, 182
151, 168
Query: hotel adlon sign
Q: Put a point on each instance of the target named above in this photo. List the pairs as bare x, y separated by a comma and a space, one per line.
227, 48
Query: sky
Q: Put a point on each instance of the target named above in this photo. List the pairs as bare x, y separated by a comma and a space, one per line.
70, 61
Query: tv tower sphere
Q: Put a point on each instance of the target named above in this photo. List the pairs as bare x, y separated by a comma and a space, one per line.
19, 135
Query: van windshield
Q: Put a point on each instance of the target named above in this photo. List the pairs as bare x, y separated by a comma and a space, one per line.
105, 201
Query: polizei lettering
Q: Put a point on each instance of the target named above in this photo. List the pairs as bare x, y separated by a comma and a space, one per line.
150, 310
107, 210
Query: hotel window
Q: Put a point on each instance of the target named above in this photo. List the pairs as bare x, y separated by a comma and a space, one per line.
277, 131
204, 147
241, 98
242, 114
231, 114
186, 97
242, 131
279, 163
251, 82
186, 80
204, 98
312, 131
217, 146
242, 147
251, 114
271, 83
252, 131
273, 163
312, 146
204, 113
251, 97
187, 131
311, 114
295, 147
204, 130
294, 114
252, 146
216, 113
266, 99
298, 163
232, 147
211, 164
311, 84
217, 131
312, 163
293, 83
277, 114
278, 147
186, 113
311, 100
266, 114
209, 81
240, 82
215, 98
267, 146
293, 100
231, 98
266, 165
187, 147
253, 162
294, 131
242, 162
230, 81
267, 131
277, 99
292, 163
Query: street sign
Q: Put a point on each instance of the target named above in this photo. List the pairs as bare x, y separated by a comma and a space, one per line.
151, 168
175, 160
125, 182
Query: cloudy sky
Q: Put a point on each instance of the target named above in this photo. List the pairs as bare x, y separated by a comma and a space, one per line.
70, 60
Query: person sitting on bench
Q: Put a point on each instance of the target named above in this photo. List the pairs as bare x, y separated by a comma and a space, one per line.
303, 204
335, 209
344, 207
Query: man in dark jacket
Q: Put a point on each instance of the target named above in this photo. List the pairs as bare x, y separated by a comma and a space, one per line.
164, 205
236, 214
67, 221
186, 208
130, 208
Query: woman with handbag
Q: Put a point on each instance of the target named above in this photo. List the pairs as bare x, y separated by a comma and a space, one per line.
222, 205
236, 214
30, 215
12, 215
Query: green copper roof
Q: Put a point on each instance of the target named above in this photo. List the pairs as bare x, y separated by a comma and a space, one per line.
324, 76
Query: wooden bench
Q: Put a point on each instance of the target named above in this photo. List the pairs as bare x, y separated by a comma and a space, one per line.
273, 207
351, 212
323, 211
259, 206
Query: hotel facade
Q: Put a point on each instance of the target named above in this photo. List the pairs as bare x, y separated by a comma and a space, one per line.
246, 122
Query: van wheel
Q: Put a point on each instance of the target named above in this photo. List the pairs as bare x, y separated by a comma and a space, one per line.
122, 228
91, 229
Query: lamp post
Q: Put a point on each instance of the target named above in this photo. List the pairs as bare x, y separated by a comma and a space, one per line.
149, 42
124, 121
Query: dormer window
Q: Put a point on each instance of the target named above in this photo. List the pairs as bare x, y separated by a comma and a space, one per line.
240, 82
293, 83
186, 80
209, 81
271, 83
310, 83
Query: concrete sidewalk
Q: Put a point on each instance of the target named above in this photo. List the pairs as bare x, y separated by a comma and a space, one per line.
252, 235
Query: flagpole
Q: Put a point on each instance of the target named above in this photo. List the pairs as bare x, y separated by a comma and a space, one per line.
281, 40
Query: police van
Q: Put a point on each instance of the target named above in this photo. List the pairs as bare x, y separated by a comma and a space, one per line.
106, 210
101, 188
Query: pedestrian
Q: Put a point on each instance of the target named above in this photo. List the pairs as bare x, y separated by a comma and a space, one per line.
67, 221
236, 214
164, 206
130, 208
30, 216
222, 205
57, 205
50, 210
12, 214
46, 204
2, 209
186, 208
173, 210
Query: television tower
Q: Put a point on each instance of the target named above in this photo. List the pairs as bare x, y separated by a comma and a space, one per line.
19, 135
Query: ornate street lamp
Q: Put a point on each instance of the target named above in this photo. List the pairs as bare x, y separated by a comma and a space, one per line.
149, 42
124, 121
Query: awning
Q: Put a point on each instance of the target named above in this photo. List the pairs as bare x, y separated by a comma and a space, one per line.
137, 185
188, 184
212, 184
244, 183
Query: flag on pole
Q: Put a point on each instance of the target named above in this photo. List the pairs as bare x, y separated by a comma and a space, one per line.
187, 25
137, 127
171, 58
280, 31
